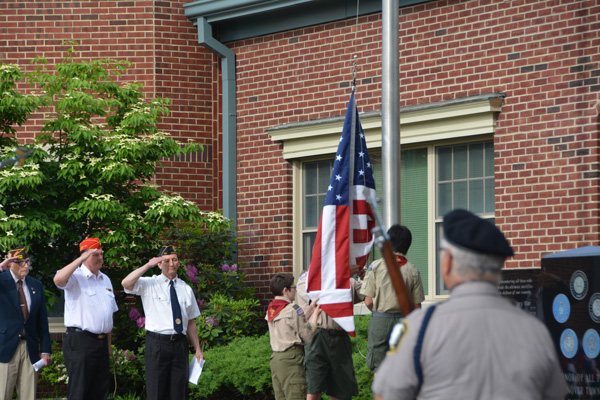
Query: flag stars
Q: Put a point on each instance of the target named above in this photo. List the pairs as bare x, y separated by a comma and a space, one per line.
362, 136
329, 188
361, 154
361, 172
368, 165
338, 158
338, 197
338, 177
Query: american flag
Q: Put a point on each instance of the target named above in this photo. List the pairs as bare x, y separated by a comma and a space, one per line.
344, 236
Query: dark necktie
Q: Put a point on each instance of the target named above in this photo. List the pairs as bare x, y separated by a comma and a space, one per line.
22, 298
176, 310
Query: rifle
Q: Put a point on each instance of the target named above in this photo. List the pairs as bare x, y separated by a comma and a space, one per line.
385, 245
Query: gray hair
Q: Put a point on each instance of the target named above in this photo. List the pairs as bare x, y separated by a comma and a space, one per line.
467, 262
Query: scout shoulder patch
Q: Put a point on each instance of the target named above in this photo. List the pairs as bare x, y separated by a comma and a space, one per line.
299, 311
398, 333
374, 265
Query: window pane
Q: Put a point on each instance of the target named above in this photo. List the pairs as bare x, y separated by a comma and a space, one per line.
444, 198
476, 196
311, 211
308, 242
324, 176
461, 195
461, 154
476, 160
310, 178
445, 164
440, 286
489, 159
490, 204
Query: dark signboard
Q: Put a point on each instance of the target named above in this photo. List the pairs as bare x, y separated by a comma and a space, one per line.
565, 295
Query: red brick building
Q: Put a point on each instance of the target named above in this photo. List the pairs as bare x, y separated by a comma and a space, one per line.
499, 109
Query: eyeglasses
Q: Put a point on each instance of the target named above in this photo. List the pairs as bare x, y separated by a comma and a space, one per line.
21, 263
292, 287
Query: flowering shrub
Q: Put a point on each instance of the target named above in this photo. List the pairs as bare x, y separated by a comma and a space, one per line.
126, 367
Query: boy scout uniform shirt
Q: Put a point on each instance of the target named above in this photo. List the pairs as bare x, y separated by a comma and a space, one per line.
324, 321
378, 285
477, 346
289, 327
156, 300
89, 301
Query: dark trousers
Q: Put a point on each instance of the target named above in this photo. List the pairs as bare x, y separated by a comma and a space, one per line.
86, 359
167, 367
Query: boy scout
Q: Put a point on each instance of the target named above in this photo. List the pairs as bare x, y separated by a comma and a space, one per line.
381, 299
289, 330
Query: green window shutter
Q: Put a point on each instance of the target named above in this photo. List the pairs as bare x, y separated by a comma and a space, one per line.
413, 204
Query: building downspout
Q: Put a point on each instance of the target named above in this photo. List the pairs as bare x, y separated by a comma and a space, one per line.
229, 116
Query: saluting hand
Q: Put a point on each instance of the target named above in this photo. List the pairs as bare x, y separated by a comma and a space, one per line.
4, 264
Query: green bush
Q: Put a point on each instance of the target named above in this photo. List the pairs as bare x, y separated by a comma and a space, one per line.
240, 369
126, 368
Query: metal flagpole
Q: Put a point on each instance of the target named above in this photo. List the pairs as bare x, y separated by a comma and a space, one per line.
390, 111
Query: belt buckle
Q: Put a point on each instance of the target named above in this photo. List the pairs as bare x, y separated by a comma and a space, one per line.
172, 337
102, 336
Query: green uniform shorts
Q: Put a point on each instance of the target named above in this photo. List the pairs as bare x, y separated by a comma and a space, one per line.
329, 366
287, 373
378, 340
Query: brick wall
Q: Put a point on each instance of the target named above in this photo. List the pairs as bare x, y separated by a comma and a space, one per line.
543, 54
162, 46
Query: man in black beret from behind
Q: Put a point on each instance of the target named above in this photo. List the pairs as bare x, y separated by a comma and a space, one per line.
475, 345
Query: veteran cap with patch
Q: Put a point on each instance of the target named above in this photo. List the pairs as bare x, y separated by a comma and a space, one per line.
466, 230
90, 243
19, 253
167, 249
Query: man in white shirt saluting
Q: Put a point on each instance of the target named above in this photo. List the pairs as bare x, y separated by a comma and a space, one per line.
89, 307
170, 308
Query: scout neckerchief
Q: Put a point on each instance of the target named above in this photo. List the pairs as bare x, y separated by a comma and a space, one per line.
275, 308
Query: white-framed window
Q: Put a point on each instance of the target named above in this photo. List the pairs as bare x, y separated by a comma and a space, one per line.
447, 162
436, 178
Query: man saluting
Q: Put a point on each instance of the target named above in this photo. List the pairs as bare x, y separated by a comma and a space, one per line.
89, 307
171, 308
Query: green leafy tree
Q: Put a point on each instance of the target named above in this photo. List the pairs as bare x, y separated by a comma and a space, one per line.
92, 169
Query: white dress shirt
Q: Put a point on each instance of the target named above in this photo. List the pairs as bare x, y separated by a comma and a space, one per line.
89, 301
156, 299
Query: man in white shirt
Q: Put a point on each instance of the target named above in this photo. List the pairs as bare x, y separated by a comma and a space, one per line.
89, 307
171, 308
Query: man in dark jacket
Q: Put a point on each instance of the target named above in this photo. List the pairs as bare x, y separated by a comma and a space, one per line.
24, 334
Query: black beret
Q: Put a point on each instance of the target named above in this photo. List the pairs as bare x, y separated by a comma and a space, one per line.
167, 249
467, 230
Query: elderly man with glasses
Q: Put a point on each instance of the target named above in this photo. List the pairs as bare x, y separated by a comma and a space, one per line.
24, 334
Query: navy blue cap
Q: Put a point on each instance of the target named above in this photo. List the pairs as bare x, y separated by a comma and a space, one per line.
467, 230
166, 250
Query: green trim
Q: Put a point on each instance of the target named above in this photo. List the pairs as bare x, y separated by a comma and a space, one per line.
241, 19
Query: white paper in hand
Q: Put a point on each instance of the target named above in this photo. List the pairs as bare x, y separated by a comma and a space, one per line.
195, 370
39, 365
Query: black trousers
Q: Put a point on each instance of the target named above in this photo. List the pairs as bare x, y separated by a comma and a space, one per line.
86, 359
167, 367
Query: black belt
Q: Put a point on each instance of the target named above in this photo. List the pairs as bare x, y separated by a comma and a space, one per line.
333, 332
160, 336
99, 336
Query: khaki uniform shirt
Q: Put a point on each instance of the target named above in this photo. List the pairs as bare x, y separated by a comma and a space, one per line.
477, 346
324, 321
289, 327
378, 285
